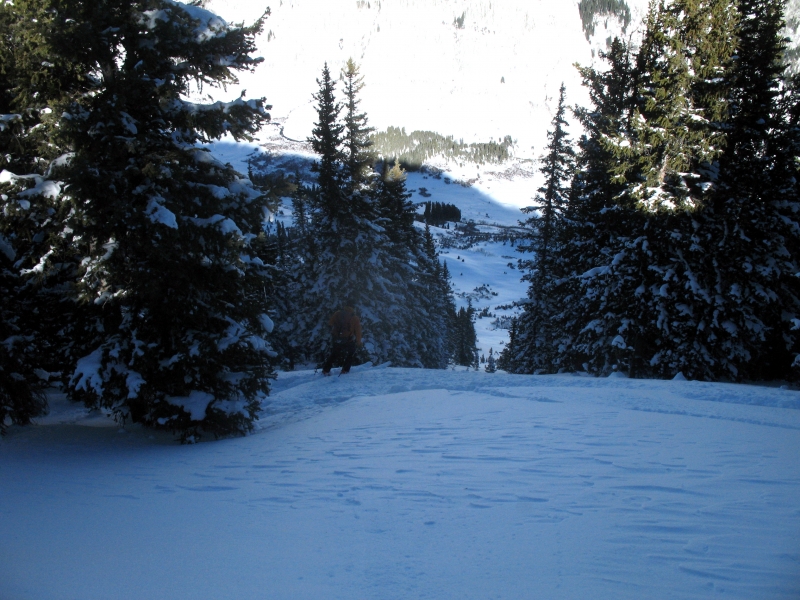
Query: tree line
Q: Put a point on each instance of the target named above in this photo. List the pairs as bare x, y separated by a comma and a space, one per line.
666, 241
413, 149
438, 213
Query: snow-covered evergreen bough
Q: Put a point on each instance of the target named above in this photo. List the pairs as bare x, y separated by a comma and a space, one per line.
133, 243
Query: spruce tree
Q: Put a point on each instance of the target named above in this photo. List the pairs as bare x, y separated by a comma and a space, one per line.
465, 348
36, 263
350, 267
679, 240
170, 292
534, 335
358, 154
754, 209
326, 140
664, 158
368, 251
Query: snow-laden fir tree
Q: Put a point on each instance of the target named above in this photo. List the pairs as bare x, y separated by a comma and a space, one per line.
174, 309
679, 243
37, 259
414, 267
754, 212
590, 223
668, 162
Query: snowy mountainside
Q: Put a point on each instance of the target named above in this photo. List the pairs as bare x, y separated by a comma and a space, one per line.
480, 252
474, 69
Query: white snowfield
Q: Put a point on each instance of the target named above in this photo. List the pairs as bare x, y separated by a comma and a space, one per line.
474, 69
398, 483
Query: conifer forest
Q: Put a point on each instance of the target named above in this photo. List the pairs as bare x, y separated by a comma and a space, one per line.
137, 274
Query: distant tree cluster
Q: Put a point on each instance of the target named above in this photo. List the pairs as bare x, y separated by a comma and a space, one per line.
412, 150
438, 213
590, 9
669, 242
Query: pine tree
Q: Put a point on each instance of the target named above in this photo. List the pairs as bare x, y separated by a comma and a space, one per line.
588, 236
350, 266
533, 334
292, 302
21, 388
412, 264
551, 199
326, 140
439, 303
465, 341
358, 154
170, 292
38, 321
679, 242
754, 211
368, 251
491, 365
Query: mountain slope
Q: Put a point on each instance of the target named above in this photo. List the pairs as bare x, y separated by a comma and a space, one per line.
474, 69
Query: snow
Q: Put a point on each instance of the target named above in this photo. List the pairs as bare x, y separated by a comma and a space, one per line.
87, 373
498, 75
195, 403
6, 248
158, 213
402, 483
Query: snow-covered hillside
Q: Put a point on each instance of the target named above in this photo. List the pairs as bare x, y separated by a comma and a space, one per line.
402, 483
485, 271
474, 69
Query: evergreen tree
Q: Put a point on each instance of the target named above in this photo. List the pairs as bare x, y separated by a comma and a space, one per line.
167, 282
465, 340
557, 168
292, 306
21, 389
666, 160
754, 209
412, 266
533, 334
491, 365
326, 140
677, 246
358, 154
351, 264
367, 251
35, 83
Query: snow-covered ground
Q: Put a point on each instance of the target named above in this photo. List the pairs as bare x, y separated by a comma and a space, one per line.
399, 483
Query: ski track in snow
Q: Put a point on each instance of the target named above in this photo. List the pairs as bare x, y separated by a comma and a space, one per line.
401, 483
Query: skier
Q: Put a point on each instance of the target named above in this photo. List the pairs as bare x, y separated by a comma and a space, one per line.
346, 333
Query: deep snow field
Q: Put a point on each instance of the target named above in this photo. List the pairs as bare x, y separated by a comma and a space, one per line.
399, 483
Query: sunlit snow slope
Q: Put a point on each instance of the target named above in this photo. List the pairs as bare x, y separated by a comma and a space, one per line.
492, 73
